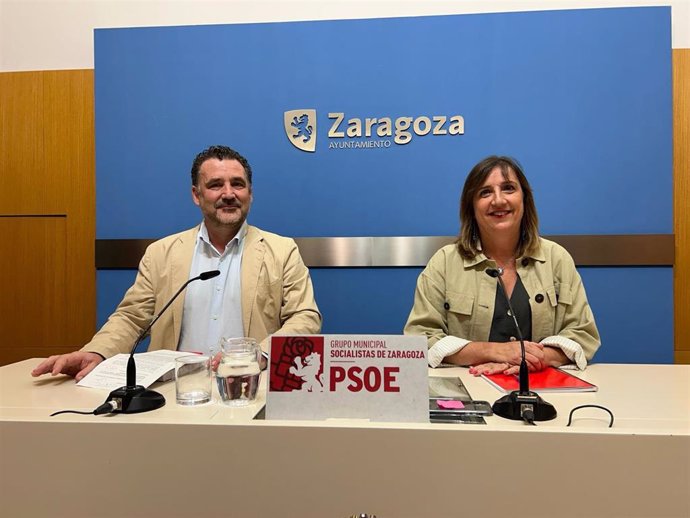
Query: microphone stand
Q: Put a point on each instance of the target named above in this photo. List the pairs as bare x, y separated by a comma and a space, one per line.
520, 404
133, 398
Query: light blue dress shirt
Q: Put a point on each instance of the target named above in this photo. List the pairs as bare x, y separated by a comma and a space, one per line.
213, 308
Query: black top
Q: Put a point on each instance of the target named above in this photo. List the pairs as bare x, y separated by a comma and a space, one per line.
502, 325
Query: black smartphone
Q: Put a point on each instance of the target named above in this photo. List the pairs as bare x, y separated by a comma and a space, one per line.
440, 387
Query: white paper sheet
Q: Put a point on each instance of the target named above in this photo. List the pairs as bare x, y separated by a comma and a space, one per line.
112, 373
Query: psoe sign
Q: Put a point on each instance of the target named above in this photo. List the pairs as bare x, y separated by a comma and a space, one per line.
378, 377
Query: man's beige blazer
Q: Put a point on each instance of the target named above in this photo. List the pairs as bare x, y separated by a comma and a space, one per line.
277, 293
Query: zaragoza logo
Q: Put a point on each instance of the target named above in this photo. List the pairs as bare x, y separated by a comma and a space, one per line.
300, 128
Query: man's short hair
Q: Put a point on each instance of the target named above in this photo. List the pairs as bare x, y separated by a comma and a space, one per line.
221, 153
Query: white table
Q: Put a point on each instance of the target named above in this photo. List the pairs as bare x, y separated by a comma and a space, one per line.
217, 461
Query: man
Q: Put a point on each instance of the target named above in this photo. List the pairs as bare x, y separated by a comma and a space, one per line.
264, 287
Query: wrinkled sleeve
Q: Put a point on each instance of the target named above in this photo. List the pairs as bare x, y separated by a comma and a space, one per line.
578, 336
130, 318
428, 315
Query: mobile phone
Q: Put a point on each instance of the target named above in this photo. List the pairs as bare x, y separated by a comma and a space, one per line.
463, 419
440, 387
481, 408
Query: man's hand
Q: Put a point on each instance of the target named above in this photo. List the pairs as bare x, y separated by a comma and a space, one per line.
77, 364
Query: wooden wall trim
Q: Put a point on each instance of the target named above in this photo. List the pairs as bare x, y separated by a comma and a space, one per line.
681, 203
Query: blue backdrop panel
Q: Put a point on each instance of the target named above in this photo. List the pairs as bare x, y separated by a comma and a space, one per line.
582, 98
379, 301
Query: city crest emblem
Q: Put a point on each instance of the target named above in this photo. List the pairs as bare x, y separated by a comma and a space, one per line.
300, 128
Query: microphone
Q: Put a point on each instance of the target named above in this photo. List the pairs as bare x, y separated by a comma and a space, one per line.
133, 398
520, 404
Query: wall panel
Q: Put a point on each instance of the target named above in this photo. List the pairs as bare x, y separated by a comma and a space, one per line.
571, 111
69, 144
681, 202
47, 206
21, 141
33, 276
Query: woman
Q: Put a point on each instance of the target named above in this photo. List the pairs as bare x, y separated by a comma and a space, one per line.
459, 307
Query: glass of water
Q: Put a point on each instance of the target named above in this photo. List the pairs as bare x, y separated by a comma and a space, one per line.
193, 379
238, 371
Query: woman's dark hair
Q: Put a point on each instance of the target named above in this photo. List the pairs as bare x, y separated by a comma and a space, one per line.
469, 238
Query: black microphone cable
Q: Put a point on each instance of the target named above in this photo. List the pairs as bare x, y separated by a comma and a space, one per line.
600, 407
106, 408
528, 416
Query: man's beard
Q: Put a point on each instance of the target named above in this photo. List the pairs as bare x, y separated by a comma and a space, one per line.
235, 217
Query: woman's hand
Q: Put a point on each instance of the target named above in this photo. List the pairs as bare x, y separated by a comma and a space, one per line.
537, 356
508, 356
494, 357
490, 368
534, 355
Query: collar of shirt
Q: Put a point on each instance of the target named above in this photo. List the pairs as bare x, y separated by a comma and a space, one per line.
202, 237
213, 309
480, 258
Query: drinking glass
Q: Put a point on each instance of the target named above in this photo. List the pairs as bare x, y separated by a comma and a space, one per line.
193, 379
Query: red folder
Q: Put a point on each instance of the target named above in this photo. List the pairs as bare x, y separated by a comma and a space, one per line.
547, 380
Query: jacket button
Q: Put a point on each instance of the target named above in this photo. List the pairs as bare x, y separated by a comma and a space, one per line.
446, 305
525, 262
539, 298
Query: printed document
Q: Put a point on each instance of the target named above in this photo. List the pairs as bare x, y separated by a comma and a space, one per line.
112, 373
